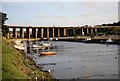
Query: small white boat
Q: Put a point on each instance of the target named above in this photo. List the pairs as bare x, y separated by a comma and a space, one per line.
45, 38
17, 41
45, 44
56, 38
50, 39
109, 41
88, 39
35, 46
19, 47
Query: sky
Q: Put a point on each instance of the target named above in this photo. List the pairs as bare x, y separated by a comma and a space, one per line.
60, 13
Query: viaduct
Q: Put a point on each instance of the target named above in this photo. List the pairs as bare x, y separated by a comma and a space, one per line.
53, 31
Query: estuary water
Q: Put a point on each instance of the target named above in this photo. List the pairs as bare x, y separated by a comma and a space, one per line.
79, 60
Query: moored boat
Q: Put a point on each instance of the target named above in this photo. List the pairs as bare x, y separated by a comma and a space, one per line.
109, 41
38, 47
19, 47
45, 44
50, 39
17, 41
35, 46
55, 39
47, 53
87, 40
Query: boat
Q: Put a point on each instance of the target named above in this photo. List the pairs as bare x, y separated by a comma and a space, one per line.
38, 47
55, 39
17, 41
47, 53
20, 47
45, 39
35, 46
87, 40
50, 39
109, 41
45, 44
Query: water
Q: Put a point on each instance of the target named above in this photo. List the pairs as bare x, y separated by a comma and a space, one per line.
80, 60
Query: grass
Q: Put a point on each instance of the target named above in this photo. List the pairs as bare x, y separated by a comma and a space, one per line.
15, 66
0, 57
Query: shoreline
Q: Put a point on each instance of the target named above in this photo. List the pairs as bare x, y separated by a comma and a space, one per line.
25, 66
82, 39
91, 41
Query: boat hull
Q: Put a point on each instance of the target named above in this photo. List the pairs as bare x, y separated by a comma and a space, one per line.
19, 47
47, 53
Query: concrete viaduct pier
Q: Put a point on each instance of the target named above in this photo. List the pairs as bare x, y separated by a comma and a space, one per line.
53, 32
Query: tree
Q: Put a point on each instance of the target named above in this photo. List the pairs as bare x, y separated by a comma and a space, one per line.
112, 24
3, 18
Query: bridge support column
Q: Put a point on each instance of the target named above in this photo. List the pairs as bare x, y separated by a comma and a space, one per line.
87, 30
14, 33
21, 33
36, 33
65, 32
74, 33
39, 33
53, 33
47, 32
42, 31
95, 30
82, 31
91, 30
28, 33
58, 32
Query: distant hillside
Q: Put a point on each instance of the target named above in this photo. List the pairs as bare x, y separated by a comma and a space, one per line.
113, 24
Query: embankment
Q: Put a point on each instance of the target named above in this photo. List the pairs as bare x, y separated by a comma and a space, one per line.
16, 66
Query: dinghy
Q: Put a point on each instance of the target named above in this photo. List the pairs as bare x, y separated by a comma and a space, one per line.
47, 53
19, 47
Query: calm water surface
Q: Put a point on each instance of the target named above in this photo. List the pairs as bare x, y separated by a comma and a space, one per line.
80, 60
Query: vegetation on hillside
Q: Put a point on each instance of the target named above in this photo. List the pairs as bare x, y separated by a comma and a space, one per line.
112, 24
16, 66
112, 31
